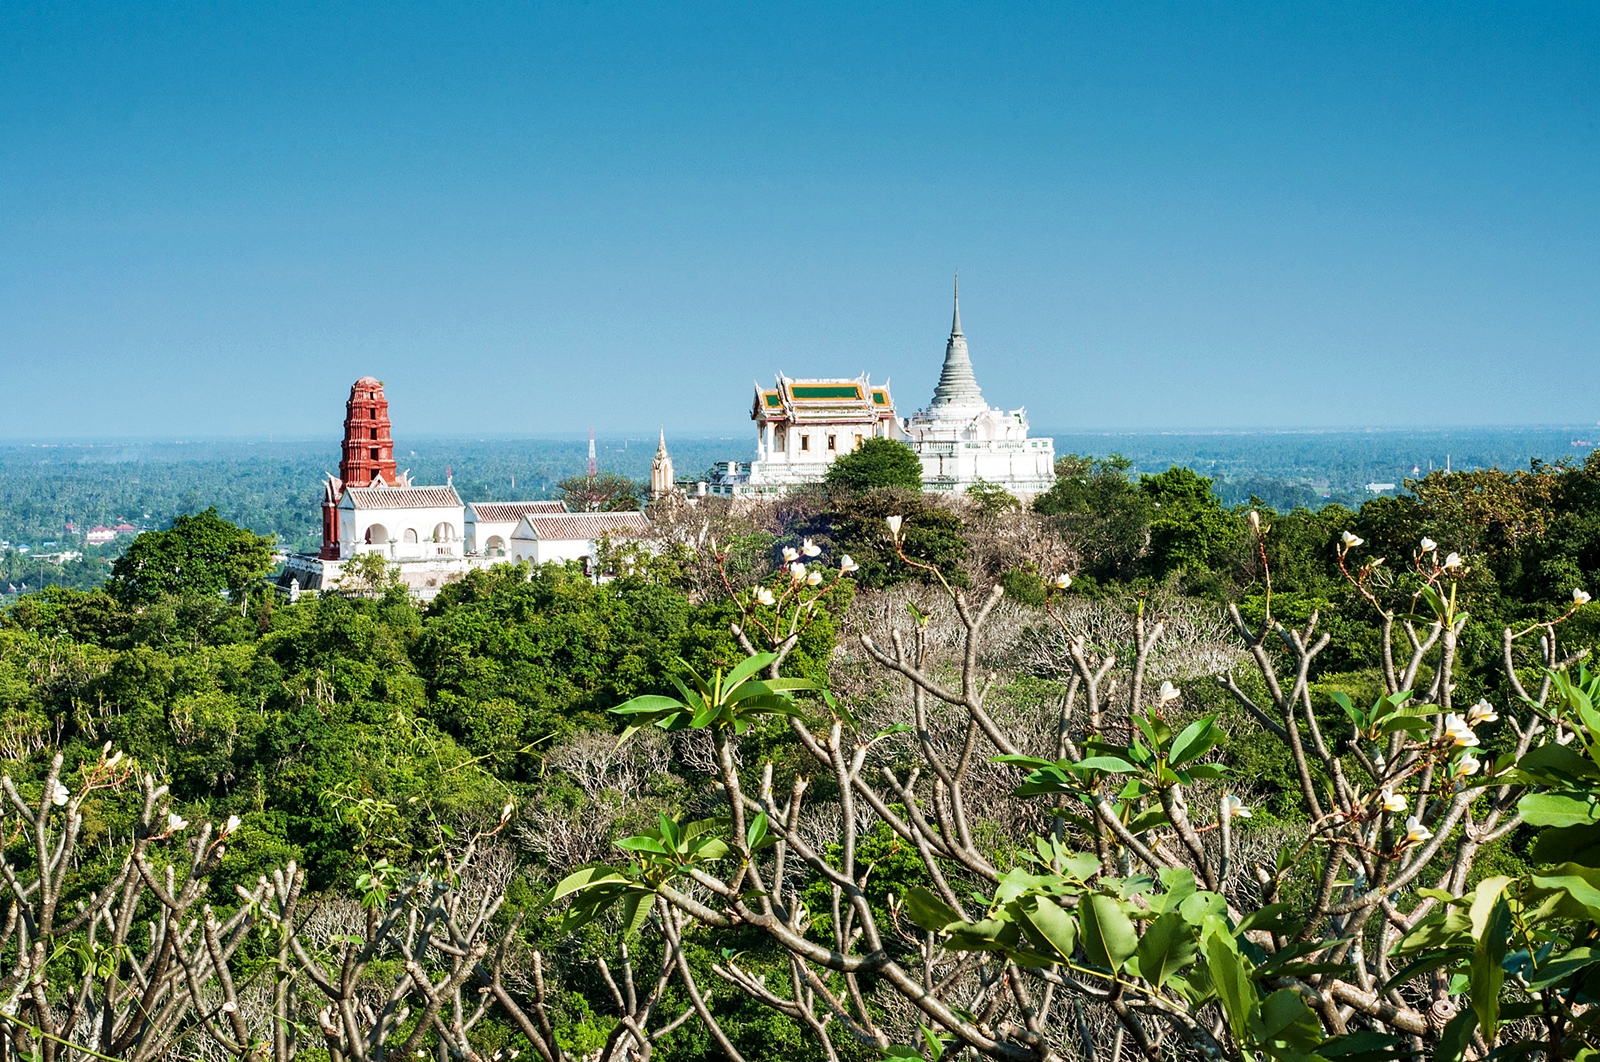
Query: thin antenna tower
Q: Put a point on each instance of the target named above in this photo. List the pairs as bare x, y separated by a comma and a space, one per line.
594, 465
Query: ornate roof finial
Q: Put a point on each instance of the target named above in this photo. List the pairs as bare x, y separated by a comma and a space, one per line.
955, 325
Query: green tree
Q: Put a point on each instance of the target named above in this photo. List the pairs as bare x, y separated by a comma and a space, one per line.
200, 554
1190, 531
605, 492
1102, 511
878, 463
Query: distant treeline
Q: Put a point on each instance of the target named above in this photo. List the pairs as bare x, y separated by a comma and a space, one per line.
272, 487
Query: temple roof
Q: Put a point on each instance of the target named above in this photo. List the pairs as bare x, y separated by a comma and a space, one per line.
403, 497
511, 512
572, 526
823, 399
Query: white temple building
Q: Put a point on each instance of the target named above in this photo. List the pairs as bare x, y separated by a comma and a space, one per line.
803, 425
963, 441
428, 536
490, 525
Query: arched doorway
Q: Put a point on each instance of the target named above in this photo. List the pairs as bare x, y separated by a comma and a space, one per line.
377, 535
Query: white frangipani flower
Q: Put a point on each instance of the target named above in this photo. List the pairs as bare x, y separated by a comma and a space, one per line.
1255, 521
1416, 832
1234, 808
59, 795
1459, 733
1453, 561
1350, 539
847, 564
506, 812
1392, 801
790, 554
1482, 712
1580, 596
1429, 545
810, 548
231, 825
175, 821
115, 758
765, 596
1168, 692
814, 578
229, 1007
797, 571
1468, 764
894, 525
1063, 581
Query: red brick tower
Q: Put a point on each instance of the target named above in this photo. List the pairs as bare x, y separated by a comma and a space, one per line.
368, 454
366, 459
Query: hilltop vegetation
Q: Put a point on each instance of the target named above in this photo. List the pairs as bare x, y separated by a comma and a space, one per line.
365, 737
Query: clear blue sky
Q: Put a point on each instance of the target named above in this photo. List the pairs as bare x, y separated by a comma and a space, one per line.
528, 217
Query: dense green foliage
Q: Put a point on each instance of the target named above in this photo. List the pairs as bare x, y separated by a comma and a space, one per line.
197, 555
348, 729
877, 464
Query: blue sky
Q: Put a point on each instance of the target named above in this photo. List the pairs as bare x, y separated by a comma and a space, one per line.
530, 217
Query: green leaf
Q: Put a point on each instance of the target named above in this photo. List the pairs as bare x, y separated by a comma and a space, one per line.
644, 843
1357, 716
649, 703
585, 877
755, 835
1194, 741
747, 667
1285, 1019
1168, 945
1109, 764
1486, 972
1581, 883
636, 908
1457, 1036
928, 911
1230, 978
1050, 928
1109, 938
1556, 809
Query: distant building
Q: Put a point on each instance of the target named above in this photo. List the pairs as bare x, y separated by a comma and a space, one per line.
1379, 488
661, 479
99, 535
490, 525
962, 441
430, 536
803, 425
572, 536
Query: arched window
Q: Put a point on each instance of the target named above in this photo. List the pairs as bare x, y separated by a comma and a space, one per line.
411, 534
444, 533
495, 547
378, 535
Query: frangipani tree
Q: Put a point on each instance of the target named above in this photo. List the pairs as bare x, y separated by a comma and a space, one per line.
1136, 922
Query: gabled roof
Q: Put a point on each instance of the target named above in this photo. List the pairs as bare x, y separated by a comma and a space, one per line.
403, 497
828, 399
511, 512
580, 526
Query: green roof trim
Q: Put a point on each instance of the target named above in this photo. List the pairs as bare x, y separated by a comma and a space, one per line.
880, 398
825, 391
773, 401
